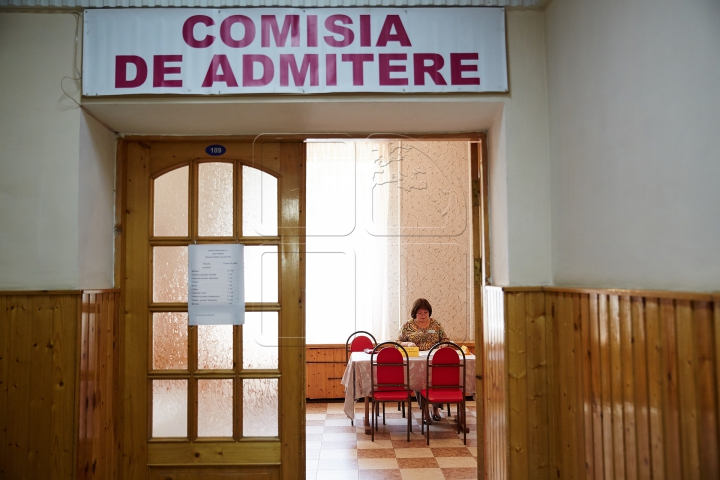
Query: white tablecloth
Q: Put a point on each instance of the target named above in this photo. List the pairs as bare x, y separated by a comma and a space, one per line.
360, 363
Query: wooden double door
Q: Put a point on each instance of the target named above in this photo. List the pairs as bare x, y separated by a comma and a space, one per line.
221, 401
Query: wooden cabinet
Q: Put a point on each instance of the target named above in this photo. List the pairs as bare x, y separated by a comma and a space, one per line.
325, 365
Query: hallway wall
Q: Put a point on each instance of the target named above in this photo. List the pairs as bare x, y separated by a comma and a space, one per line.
634, 107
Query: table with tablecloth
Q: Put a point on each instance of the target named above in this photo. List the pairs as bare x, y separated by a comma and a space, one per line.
359, 363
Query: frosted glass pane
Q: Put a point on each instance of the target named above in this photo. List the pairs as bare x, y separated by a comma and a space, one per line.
170, 407
260, 407
170, 341
215, 199
215, 347
170, 274
170, 207
261, 273
260, 207
260, 340
215, 402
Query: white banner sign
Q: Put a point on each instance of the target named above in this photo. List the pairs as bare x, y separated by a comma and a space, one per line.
130, 51
216, 293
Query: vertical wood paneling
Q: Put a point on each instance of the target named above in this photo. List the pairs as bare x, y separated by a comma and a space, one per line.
655, 386
709, 447
98, 386
671, 407
537, 390
632, 379
687, 395
596, 398
639, 361
517, 386
586, 393
38, 368
495, 373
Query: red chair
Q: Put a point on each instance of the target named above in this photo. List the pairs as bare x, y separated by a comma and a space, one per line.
445, 382
358, 342
390, 379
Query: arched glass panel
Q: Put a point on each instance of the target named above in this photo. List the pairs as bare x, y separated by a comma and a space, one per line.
260, 207
170, 203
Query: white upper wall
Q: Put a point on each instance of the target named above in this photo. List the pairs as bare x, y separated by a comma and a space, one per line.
39, 129
57, 167
96, 205
634, 102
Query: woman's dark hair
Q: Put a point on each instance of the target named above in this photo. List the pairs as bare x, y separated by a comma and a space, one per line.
420, 303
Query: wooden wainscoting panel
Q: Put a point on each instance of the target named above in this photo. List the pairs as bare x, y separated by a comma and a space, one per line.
97, 432
38, 370
633, 384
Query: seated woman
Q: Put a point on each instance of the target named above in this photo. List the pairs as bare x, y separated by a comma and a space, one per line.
423, 332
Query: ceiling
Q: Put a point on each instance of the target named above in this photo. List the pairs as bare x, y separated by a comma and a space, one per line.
293, 114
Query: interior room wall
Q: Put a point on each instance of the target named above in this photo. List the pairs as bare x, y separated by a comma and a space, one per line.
634, 105
96, 205
39, 128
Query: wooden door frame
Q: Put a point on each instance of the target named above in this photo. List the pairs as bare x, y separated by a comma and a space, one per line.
295, 298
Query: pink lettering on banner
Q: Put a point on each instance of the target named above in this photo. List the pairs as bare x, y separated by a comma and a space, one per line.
220, 62
358, 59
347, 35
248, 33
457, 68
386, 68
312, 31
365, 40
188, 31
331, 70
433, 69
160, 70
268, 68
310, 65
386, 35
121, 71
291, 25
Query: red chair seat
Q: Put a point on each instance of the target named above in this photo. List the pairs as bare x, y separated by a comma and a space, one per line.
391, 396
443, 395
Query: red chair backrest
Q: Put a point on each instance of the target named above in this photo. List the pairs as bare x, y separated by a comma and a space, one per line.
390, 370
445, 376
360, 343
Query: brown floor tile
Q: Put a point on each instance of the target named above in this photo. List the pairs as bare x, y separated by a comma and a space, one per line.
410, 444
472, 442
460, 473
450, 451
334, 444
378, 436
376, 453
439, 435
417, 463
398, 428
380, 474
339, 429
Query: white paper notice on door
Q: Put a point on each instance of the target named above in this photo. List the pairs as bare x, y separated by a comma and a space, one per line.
216, 293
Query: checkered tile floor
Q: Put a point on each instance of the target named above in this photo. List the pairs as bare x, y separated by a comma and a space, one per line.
338, 451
